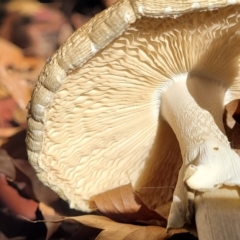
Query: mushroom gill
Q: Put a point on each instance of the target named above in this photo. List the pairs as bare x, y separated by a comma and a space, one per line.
95, 119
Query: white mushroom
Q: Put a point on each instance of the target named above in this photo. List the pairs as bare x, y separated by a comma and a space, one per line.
132, 95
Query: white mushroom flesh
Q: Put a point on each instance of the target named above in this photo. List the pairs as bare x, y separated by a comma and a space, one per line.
194, 109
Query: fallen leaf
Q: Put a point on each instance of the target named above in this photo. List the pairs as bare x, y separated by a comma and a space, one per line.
108, 3
16, 86
40, 191
17, 71
13, 227
233, 107
8, 125
3, 92
232, 126
7, 107
49, 216
3, 237
17, 204
11, 55
85, 233
16, 146
35, 27
21, 181
7, 132
120, 231
20, 117
6, 165
123, 205
236, 114
79, 20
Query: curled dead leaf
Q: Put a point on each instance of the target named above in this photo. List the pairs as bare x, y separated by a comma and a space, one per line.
17, 204
21, 197
6, 165
3, 237
123, 204
119, 231
40, 191
7, 107
232, 124
16, 146
12, 119
17, 73
49, 216
7, 132
17, 87
35, 27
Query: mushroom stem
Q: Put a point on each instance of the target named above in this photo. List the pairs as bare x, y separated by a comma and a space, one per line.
193, 107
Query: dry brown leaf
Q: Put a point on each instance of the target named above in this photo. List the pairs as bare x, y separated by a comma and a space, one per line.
16, 146
35, 27
17, 72
17, 87
3, 92
19, 116
50, 216
84, 232
17, 204
21, 181
237, 111
119, 231
12, 57
7, 107
7, 132
233, 107
6, 165
123, 205
3, 237
41, 192
108, 3
19, 84
26, 182
10, 117
232, 126
79, 20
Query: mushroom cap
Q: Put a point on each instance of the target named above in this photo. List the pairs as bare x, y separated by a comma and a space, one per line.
94, 114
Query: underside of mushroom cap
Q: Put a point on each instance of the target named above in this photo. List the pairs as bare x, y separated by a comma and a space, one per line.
94, 115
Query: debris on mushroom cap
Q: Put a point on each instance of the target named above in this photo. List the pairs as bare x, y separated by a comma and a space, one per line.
94, 115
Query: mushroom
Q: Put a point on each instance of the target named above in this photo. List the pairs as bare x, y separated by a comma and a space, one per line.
137, 95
